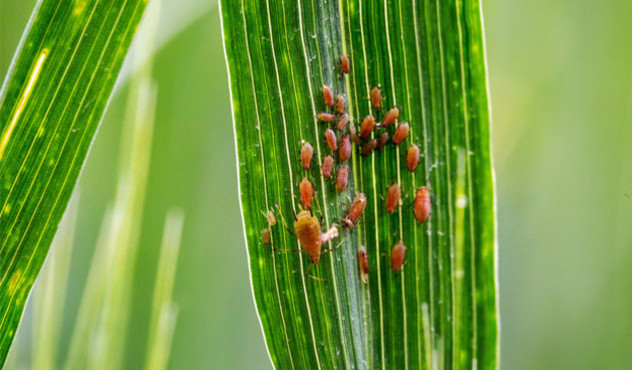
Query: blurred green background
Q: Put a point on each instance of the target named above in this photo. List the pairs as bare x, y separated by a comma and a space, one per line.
561, 92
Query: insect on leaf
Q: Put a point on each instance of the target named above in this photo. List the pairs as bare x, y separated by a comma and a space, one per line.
431, 301
52, 101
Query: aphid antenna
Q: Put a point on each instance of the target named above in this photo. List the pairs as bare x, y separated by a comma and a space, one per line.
283, 220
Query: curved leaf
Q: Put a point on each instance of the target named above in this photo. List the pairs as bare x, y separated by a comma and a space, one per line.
52, 102
440, 311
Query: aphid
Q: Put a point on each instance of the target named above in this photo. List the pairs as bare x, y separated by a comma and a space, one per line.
330, 135
363, 262
342, 121
307, 192
421, 206
412, 157
368, 148
271, 218
326, 117
400, 133
309, 235
340, 104
344, 64
390, 117
393, 194
376, 97
345, 148
356, 210
328, 95
367, 126
354, 135
398, 253
307, 152
328, 165
342, 177
382, 141
265, 236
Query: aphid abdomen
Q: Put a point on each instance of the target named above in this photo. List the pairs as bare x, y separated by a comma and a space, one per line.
328, 95
265, 236
307, 152
271, 218
376, 98
422, 204
345, 148
398, 254
412, 158
382, 141
340, 104
390, 117
400, 133
327, 167
355, 211
368, 148
342, 177
363, 263
392, 197
343, 121
326, 117
367, 126
307, 230
345, 64
307, 192
330, 136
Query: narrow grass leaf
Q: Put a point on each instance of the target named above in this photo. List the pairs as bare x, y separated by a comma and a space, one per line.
427, 57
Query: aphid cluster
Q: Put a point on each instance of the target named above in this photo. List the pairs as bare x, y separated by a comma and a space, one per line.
372, 135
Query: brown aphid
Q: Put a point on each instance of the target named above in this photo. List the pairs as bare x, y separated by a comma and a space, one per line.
390, 117
344, 64
398, 254
340, 104
355, 211
368, 148
327, 166
345, 148
363, 262
328, 95
307, 192
326, 117
332, 141
376, 97
309, 235
342, 122
382, 141
266, 238
367, 126
400, 133
342, 178
271, 218
307, 152
421, 206
412, 157
393, 194
354, 135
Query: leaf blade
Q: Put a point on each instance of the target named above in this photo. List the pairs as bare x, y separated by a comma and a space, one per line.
52, 101
441, 309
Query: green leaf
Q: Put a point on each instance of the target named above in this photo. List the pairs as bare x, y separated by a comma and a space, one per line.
440, 311
52, 102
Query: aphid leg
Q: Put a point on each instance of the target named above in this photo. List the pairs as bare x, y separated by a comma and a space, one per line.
283, 220
334, 248
280, 250
307, 274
